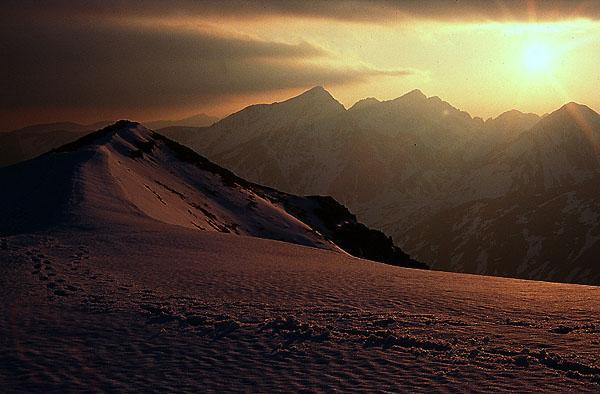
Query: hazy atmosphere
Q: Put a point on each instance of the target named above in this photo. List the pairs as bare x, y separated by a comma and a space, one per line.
300, 196
97, 60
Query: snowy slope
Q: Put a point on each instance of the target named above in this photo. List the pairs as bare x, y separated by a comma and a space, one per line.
126, 174
155, 307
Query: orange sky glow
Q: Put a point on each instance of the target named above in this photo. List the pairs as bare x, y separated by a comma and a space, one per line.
94, 63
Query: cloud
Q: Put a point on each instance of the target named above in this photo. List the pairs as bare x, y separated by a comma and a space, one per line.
112, 66
348, 10
125, 54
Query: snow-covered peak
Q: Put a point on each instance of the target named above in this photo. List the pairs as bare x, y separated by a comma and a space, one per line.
128, 175
123, 138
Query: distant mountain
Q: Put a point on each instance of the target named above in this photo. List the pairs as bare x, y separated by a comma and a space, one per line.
312, 107
127, 175
560, 150
512, 122
550, 235
32, 141
402, 164
567, 145
502, 130
199, 120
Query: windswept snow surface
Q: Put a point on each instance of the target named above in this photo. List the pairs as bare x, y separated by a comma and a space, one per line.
165, 308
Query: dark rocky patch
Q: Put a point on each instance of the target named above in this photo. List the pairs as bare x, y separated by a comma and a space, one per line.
225, 327
562, 329
342, 227
387, 339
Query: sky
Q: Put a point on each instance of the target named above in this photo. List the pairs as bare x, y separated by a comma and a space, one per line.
87, 61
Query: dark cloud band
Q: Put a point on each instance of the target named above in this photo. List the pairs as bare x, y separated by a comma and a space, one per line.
110, 66
87, 54
351, 10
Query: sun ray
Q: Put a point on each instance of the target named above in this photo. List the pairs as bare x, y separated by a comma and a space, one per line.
537, 57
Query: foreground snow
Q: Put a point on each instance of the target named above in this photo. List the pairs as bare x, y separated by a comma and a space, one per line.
162, 307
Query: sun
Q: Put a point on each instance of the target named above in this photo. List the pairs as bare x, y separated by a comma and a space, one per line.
537, 57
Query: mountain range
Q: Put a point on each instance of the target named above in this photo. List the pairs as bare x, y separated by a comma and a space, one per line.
517, 195
198, 120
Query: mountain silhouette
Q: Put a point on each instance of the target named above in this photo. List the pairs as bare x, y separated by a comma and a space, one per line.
199, 120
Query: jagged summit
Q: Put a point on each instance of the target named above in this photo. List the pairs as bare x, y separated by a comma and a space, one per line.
581, 108
310, 107
316, 90
511, 122
414, 94
126, 129
511, 113
124, 124
573, 114
317, 95
364, 103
